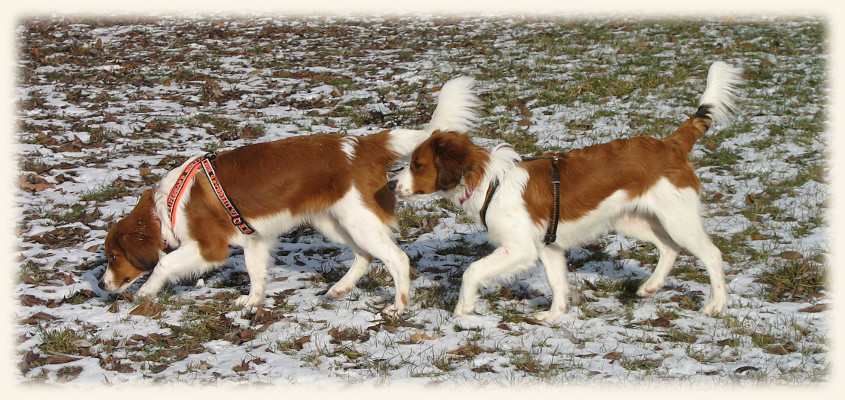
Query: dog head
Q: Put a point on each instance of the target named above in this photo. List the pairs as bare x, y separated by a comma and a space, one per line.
440, 164
132, 246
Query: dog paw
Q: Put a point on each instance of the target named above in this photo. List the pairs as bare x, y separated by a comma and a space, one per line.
249, 300
649, 288
393, 310
713, 306
463, 309
338, 290
548, 316
143, 294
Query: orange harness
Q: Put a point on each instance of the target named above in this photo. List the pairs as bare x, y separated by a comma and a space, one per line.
185, 177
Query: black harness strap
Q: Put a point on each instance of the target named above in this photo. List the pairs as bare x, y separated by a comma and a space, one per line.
490, 190
551, 231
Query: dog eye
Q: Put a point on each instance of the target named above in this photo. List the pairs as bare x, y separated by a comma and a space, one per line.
416, 165
126, 280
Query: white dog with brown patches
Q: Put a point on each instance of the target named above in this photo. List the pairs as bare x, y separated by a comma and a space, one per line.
641, 186
255, 193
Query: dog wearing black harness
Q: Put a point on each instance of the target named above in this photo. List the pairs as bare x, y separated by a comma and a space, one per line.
536, 208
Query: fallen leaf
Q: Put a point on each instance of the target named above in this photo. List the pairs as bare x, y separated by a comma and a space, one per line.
60, 359
147, 309
661, 322
242, 367
791, 255
203, 366
212, 87
781, 349
34, 183
35, 318
746, 369
247, 334
30, 300
68, 374
816, 308
339, 336
416, 338
528, 367
298, 343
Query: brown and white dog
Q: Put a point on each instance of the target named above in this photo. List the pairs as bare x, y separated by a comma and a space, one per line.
337, 183
641, 186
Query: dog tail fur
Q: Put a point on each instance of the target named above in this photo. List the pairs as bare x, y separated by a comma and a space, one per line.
455, 111
717, 105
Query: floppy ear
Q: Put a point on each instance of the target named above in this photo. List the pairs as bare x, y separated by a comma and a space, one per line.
141, 237
449, 161
141, 251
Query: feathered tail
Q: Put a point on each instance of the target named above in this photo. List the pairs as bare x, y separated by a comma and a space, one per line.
455, 111
717, 105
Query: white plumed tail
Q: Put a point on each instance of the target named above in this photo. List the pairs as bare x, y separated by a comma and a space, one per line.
719, 98
456, 105
455, 111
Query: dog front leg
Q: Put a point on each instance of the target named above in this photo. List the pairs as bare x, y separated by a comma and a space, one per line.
257, 259
502, 263
183, 261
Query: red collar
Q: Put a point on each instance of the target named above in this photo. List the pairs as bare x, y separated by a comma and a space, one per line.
467, 194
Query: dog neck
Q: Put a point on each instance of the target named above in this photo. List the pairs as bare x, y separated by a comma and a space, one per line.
471, 197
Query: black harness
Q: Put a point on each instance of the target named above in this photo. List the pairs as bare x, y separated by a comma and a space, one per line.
551, 231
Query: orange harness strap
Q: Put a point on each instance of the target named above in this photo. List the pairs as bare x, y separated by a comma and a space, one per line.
185, 177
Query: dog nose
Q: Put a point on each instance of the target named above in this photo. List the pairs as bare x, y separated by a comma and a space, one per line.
391, 184
100, 285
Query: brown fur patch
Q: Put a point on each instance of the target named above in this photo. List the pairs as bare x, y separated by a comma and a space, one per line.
301, 175
587, 176
590, 175
133, 243
440, 162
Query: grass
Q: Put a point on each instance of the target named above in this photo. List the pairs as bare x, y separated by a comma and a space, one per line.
792, 280
591, 80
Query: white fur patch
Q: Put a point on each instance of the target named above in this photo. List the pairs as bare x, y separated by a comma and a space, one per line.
349, 144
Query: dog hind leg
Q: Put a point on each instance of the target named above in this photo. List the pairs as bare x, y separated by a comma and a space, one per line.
330, 227
374, 237
647, 228
680, 216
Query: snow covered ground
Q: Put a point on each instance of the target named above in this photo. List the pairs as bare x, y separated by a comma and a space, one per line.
107, 105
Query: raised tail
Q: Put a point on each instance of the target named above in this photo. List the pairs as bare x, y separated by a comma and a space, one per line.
455, 111
717, 105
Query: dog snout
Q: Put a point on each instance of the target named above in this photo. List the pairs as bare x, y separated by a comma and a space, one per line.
101, 285
391, 184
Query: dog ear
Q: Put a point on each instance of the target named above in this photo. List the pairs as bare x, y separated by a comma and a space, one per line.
449, 161
140, 236
140, 250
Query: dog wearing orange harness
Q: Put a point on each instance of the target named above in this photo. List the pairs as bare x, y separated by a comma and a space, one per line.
251, 195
